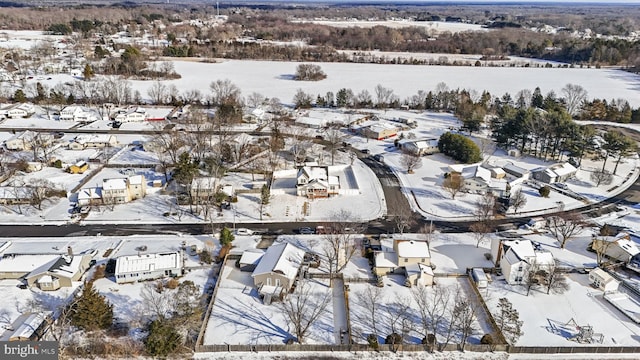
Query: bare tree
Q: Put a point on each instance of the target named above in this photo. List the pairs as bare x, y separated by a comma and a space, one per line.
480, 230
156, 302
574, 96
255, 99
404, 218
398, 315
384, 96
39, 190
334, 138
601, 177
453, 184
534, 276
224, 92
508, 320
555, 280
432, 303
601, 246
410, 161
485, 208
371, 299
517, 201
464, 317
565, 226
158, 92
340, 240
304, 307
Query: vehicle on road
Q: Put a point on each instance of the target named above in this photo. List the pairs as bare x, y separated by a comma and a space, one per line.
243, 232
562, 186
306, 231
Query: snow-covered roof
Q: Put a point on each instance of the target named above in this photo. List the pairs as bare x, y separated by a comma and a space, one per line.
386, 259
28, 326
413, 249
25, 263
93, 138
380, 127
514, 169
148, 262
413, 269
204, 183
136, 179
518, 250
477, 171
563, 169
114, 184
251, 257
628, 246
314, 172
64, 266
90, 193
602, 275
283, 258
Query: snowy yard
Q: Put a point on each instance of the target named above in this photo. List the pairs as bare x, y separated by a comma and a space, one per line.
239, 316
547, 317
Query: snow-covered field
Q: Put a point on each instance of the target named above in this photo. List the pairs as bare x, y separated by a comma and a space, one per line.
273, 79
434, 27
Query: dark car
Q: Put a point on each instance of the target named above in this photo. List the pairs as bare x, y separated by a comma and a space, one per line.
306, 231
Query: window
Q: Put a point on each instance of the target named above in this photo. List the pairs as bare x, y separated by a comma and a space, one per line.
277, 282
520, 268
422, 260
268, 281
518, 278
406, 260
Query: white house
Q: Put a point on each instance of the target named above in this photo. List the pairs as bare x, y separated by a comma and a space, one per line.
21, 110
132, 114
277, 270
515, 257
315, 182
123, 190
204, 187
60, 272
148, 266
420, 147
619, 247
93, 141
78, 114
90, 196
602, 280
555, 173
20, 142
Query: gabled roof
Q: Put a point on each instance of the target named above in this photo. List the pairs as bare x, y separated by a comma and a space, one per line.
90, 193
148, 262
413, 269
114, 184
314, 172
251, 257
283, 258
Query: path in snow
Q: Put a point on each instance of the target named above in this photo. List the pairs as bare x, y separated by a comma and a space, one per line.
339, 310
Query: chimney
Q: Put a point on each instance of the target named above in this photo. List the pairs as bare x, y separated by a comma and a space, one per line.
69, 251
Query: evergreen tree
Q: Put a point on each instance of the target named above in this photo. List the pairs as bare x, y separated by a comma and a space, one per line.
226, 237
163, 339
185, 170
19, 96
92, 311
88, 72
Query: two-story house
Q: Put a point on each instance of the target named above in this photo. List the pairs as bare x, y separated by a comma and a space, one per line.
315, 182
409, 257
516, 257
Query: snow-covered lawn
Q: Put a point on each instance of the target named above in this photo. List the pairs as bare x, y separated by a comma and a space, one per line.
545, 316
239, 316
433, 26
395, 292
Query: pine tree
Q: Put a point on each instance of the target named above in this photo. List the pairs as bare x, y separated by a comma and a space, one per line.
92, 311
226, 237
88, 72
163, 339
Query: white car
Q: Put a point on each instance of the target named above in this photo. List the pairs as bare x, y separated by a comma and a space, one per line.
243, 231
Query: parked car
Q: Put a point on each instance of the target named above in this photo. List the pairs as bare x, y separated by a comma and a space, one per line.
306, 231
562, 186
243, 232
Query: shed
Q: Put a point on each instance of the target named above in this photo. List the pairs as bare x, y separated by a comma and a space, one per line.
602, 280
250, 259
480, 278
